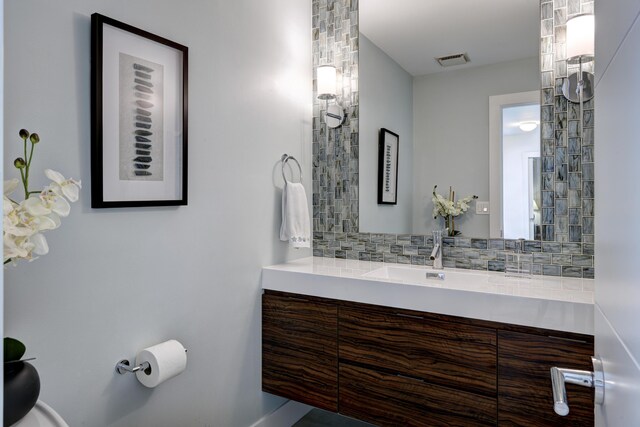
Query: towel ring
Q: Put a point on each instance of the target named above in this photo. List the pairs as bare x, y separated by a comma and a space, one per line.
285, 158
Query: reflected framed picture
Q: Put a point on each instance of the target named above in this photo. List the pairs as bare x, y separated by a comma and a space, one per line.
138, 117
388, 167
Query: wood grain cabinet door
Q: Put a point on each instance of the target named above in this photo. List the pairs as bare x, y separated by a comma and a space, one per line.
299, 349
524, 382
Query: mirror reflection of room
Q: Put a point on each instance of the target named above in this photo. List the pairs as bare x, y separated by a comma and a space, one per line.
440, 110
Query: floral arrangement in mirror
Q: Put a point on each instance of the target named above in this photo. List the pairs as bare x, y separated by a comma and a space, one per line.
449, 209
40, 211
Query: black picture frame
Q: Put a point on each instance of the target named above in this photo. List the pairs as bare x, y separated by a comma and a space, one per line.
139, 133
388, 151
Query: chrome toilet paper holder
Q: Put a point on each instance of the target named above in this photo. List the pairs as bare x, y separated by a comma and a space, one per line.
124, 366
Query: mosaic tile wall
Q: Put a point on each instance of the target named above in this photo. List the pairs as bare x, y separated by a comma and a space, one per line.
335, 36
566, 250
547, 258
567, 156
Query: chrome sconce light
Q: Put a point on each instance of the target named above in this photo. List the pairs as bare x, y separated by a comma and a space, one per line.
326, 79
578, 87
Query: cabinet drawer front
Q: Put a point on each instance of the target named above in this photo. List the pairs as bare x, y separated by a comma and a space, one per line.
392, 400
300, 350
300, 376
449, 354
297, 323
524, 382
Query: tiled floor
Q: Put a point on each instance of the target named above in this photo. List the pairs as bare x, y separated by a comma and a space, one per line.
320, 418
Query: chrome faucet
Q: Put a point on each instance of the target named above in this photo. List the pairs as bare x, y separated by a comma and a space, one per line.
436, 253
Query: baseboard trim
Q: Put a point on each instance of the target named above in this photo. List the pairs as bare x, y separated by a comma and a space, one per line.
285, 416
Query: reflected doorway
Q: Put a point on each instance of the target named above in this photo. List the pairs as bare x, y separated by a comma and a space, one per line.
515, 166
521, 172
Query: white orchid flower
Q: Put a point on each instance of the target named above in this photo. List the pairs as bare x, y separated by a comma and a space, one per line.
448, 208
7, 206
35, 207
55, 219
25, 222
24, 247
27, 217
11, 185
40, 246
68, 188
48, 201
12, 249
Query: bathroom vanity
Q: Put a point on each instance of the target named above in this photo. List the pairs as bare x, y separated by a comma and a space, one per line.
385, 344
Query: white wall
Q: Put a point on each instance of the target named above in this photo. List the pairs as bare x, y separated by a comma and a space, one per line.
617, 230
451, 135
386, 101
119, 280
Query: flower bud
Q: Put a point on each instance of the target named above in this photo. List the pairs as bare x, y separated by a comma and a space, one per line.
34, 138
19, 163
24, 134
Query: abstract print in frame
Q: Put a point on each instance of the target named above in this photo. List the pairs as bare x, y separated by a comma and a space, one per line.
388, 146
139, 117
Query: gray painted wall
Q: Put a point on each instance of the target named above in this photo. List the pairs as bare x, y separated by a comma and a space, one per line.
386, 101
119, 280
451, 135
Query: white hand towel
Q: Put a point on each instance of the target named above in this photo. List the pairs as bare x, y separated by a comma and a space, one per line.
296, 227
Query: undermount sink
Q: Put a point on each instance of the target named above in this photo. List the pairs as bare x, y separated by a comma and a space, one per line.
430, 277
406, 274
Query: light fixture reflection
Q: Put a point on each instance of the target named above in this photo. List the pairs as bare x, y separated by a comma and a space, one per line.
528, 126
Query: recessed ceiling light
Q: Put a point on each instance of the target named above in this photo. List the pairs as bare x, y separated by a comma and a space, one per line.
528, 126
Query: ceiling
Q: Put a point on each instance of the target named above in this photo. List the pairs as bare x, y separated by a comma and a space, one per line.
414, 32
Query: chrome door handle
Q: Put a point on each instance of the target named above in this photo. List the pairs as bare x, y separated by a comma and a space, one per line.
561, 376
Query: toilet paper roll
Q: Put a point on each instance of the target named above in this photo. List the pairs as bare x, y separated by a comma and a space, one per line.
166, 360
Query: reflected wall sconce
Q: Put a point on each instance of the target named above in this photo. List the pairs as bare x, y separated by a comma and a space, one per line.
326, 79
578, 87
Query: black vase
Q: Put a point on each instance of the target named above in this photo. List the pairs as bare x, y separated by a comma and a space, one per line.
21, 390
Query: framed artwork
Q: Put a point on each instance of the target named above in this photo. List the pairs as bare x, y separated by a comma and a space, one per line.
388, 167
138, 117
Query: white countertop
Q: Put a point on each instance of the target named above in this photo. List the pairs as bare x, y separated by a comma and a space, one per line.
557, 303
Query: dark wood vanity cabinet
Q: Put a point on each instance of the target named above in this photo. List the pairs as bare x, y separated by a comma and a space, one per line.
394, 367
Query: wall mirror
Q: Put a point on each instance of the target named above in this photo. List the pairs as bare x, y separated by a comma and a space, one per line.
442, 113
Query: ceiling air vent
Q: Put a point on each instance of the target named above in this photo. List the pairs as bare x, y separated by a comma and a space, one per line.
450, 60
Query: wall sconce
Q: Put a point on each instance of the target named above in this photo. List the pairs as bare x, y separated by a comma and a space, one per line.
578, 87
326, 79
